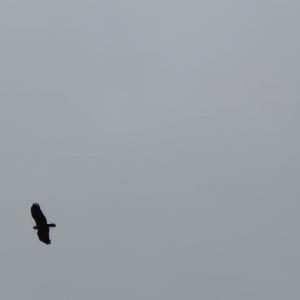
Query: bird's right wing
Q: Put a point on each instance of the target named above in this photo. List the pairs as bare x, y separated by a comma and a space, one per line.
37, 214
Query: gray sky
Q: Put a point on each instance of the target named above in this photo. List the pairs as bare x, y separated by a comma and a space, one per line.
163, 139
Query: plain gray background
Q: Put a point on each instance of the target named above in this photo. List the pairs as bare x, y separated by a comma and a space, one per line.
163, 139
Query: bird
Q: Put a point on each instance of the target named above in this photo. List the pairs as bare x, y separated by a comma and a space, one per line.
42, 225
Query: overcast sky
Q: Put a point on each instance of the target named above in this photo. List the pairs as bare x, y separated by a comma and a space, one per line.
162, 137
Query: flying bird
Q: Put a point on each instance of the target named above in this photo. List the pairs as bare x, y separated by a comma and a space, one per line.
42, 226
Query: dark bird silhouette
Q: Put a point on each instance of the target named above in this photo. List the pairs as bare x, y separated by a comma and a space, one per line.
42, 226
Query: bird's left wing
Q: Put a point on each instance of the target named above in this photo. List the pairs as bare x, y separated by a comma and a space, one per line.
43, 235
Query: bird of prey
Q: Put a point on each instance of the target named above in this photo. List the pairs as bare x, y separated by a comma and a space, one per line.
42, 226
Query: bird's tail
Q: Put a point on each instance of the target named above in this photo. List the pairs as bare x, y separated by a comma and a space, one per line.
51, 225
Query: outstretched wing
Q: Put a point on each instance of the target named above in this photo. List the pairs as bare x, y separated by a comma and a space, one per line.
43, 235
38, 215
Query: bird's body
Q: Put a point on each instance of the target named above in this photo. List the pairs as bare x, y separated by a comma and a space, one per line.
42, 226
